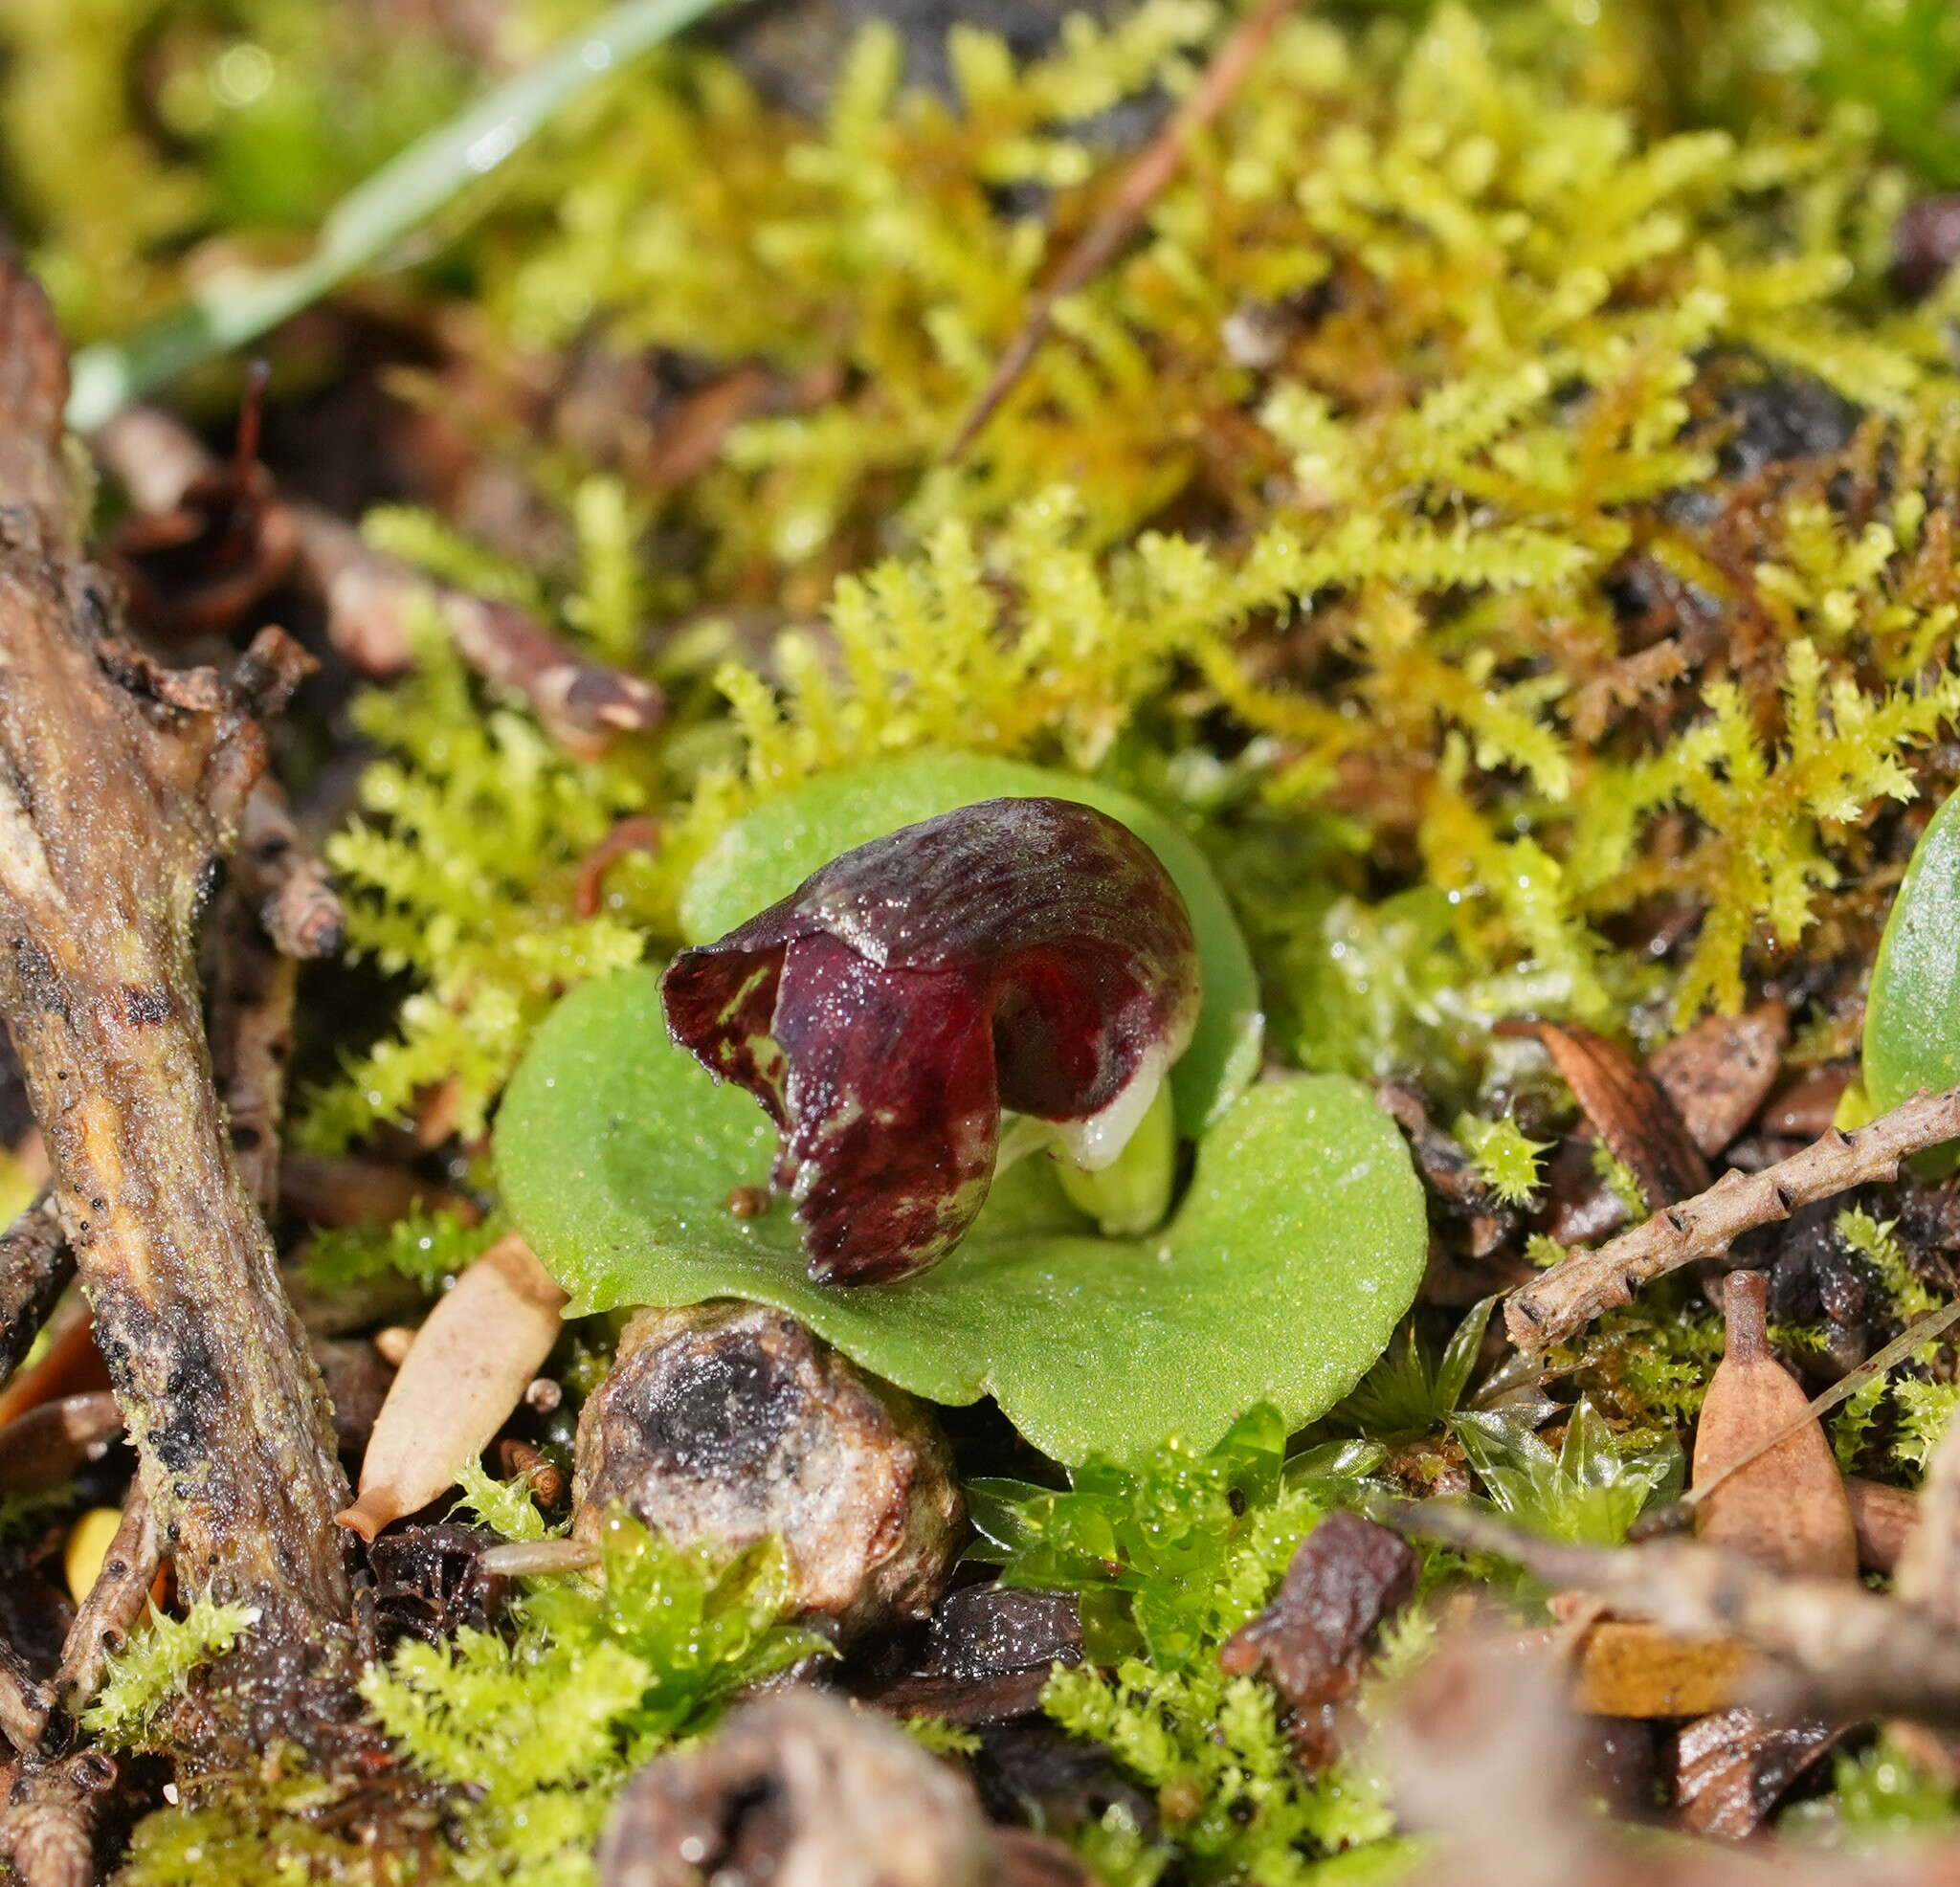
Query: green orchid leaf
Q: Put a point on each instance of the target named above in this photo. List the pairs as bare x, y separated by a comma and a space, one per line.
1298, 1246
768, 854
1912, 1016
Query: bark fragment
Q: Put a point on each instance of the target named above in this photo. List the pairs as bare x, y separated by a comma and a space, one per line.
729, 1422
47, 1829
124, 784
1349, 1575
989, 1654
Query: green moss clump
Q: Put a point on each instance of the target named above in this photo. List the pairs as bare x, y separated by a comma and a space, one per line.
152, 1669
541, 1728
1350, 468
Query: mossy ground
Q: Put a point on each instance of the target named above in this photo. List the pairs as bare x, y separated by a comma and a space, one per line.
1502, 506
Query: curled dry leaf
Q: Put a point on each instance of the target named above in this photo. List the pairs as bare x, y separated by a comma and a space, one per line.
1731, 1768
196, 566
1628, 1108
44, 1447
1785, 1505
1026, 954
69, 1364
468, 1369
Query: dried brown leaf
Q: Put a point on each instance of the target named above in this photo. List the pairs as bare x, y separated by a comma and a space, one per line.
1628, 1109
468, 1369
1784, 1504
1630, 1668
1719, 1073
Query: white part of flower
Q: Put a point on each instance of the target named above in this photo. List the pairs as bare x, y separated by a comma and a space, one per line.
1098, 1142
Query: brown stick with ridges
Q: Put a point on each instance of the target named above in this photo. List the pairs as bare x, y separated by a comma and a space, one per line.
122, 786
1572, 1293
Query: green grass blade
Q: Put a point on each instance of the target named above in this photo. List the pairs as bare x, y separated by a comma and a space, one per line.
238, 306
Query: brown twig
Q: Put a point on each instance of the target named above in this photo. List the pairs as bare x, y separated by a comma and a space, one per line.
106, 1617
125, 783
47, 1828
1929, 1567
1572, 1293
278, 908
370, 597
1850, 1654
253, 988
23, 1703
627, 836
35, 1266
287, 885
48, 1443
341, 1190
1148, 175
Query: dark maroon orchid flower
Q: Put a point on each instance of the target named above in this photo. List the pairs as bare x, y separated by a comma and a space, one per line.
1027, 954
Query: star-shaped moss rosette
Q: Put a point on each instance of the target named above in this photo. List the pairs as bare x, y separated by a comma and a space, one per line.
1295, 1249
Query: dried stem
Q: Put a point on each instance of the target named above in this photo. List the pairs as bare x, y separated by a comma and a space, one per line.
48, 1829
35, 1266
370, 597
103, 1623
124, 788
22, 1701
1851, 1654
289, 888
1929, 1567
1150, 173
1571, 1293
44, 1447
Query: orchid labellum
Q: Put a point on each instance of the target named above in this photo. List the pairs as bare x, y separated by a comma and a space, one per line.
1031, 955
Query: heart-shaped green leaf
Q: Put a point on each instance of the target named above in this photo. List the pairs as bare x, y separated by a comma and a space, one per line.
768, 854
1913, 1015
1298, 1247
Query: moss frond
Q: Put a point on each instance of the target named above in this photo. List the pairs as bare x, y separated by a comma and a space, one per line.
152, 1669
543, 1727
